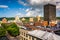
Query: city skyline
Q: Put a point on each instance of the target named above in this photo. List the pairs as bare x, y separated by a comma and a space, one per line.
26, 8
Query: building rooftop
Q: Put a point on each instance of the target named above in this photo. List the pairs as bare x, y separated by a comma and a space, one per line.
44, 35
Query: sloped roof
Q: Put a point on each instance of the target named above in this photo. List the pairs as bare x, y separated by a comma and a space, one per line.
44, 35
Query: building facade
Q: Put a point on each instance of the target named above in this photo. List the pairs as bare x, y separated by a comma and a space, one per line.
49, 12
25, 36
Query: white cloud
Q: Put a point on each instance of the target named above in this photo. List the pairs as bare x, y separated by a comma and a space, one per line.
39, 3
58, 7
20, 14
21, 9
37, 6
3, 6
21, 2
33, 13
30, 13
33, 2
27, 10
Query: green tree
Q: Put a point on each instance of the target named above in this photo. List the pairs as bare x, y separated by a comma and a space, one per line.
2, 32
5, 26
13, 30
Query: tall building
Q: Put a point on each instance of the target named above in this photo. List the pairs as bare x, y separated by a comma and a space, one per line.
49, 12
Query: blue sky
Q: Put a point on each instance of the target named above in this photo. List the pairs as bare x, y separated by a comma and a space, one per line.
25, 8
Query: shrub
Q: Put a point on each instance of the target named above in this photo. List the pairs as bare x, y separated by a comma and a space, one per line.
2, 32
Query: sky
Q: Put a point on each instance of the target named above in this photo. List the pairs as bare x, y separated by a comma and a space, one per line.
26, 8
